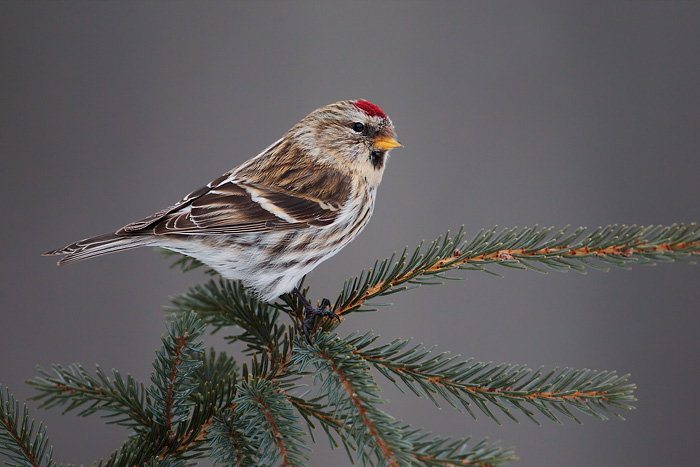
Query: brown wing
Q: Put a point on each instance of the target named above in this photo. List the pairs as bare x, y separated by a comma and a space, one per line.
234, 207
149, 221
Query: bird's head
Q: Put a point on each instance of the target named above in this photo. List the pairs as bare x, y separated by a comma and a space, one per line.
355, 136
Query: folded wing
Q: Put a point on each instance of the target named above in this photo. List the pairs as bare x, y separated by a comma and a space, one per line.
235, 207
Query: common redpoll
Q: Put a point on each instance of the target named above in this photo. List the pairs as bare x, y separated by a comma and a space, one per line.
277, 216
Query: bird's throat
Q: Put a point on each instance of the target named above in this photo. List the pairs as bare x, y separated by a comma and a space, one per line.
377, 159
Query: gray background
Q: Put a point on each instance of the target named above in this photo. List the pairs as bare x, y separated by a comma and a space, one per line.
511, 113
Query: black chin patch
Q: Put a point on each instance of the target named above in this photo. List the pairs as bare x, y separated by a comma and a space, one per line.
377, 159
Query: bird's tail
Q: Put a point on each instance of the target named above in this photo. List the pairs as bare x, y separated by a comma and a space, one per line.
99, 245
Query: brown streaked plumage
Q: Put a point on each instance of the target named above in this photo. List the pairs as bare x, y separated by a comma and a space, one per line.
278, 215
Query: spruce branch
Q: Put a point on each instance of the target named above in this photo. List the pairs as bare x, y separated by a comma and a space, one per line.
175, 363
123, 402
425, 449
439, 451
19, 441
527, 248
352, 396
216, 413
230, 445
508, 387
270, 422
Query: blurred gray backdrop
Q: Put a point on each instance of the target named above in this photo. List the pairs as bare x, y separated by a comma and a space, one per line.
511, 113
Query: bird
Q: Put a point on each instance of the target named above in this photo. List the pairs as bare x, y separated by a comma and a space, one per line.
274, 218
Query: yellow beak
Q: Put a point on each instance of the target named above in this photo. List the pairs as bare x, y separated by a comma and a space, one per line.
386, 142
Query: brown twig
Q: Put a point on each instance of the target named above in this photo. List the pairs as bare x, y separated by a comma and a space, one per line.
389, 456
621, 251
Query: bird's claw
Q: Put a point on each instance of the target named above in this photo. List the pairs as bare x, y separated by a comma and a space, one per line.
325, 303
312, 312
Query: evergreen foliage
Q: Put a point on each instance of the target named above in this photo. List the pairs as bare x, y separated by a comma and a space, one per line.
205, 404
19, 442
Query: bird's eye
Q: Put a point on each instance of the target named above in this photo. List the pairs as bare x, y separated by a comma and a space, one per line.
358, 127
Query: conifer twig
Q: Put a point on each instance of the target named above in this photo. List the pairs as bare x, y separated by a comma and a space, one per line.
18, 439
352, 395
73, 388
176, 361
263, 406
508, 387
613, 245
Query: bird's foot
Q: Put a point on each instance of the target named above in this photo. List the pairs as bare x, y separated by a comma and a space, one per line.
312, 312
